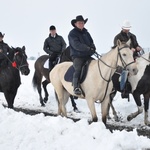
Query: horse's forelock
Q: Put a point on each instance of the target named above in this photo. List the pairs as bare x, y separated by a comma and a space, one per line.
113, 47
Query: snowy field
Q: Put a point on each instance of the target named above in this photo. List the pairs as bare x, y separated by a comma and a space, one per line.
24, 132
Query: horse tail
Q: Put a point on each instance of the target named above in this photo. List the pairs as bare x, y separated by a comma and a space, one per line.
36, 80
40, 71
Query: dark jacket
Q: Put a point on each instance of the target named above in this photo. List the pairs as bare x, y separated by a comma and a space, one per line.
5, 49
80, 42
54, 44
124, 37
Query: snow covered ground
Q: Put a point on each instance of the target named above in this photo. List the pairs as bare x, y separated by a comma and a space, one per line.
19, 131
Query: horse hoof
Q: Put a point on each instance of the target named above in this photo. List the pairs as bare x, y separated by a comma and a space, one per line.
90, 121
76, 110
45, 100
43, 105
129, 118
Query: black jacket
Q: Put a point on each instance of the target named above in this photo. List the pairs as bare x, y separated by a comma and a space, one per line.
5, 49
124, 37
54, 44
80, 42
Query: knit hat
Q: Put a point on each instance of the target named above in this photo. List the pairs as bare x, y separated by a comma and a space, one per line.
52, 28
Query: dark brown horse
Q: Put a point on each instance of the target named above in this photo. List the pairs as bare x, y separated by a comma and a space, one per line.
41, 72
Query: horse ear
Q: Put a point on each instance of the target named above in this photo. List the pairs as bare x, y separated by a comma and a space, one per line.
12, 47
118, 42
23, 48
128, 42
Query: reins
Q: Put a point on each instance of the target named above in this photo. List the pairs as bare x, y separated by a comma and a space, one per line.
19, 66
145, 58
110, 76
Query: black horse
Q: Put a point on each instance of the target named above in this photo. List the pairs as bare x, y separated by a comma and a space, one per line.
141, 88
10, 76
40, 71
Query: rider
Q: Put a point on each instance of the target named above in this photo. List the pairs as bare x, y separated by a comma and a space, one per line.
4, 51
124, 36
81, 48
53, 46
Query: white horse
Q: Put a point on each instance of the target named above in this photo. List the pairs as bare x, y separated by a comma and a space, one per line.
140, 86
97, 85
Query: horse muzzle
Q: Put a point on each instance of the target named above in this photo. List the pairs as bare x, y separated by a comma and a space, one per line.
132, 70
25, 71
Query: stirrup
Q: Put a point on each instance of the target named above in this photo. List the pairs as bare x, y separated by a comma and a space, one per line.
77, 91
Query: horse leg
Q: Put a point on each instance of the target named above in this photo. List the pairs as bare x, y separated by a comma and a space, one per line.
39, 89
37, 79
62, 97
104, 109
91, 106
112, 95
10, 96
64, 102
137, 99
73, 104
45, 83
146, 107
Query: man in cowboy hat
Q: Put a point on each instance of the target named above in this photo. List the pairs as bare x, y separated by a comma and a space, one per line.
124, 36
53, 46
81, 48
4, 51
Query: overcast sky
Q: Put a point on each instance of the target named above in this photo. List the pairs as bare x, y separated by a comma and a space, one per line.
26, 22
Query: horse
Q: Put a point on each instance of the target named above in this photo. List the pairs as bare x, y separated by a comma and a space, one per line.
10, 76
139, 85
97, 84
40, 71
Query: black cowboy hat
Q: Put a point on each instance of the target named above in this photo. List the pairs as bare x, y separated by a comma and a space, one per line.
78, 18
1, 35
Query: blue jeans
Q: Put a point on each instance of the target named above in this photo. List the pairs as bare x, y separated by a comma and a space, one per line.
124, 76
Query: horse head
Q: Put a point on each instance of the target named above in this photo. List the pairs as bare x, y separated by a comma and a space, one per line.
125, 58
20, 60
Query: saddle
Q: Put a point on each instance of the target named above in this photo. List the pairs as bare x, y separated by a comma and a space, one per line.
69, 74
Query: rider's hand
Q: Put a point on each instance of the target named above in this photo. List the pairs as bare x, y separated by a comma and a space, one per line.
138, 48
1, 50
133, 49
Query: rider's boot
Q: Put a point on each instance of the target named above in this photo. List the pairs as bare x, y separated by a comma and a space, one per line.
77, 89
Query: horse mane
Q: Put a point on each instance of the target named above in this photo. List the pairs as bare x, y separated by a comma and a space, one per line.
147, 70
113, 47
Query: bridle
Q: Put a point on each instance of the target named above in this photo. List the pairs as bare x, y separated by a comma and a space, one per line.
15, 63
110, 76
122, 61
119, 54
19, 66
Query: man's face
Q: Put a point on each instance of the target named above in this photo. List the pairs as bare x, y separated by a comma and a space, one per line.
80, 24
126, 31
53, 32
